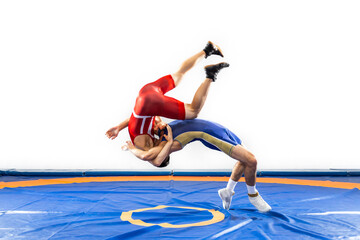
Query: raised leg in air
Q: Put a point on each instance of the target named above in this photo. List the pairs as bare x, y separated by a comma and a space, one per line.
193, 109
210, 49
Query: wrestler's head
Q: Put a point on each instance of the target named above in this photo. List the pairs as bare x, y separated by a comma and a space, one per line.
165, 162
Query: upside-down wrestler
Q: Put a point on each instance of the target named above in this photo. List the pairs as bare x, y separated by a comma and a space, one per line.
152, 101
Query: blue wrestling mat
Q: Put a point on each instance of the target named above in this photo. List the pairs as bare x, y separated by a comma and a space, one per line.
169, 207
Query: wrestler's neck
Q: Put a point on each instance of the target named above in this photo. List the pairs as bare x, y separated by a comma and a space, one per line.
143, 142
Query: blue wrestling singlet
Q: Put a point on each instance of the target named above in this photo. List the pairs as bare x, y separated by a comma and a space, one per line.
211, 134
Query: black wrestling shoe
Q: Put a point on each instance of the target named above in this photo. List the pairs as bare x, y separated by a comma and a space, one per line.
213, 70
212, 49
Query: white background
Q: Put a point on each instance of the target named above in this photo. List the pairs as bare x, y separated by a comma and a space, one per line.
71, 69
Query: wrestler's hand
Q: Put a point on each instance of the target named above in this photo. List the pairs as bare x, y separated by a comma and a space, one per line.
113, 132
128, 146
169, 135
160, 126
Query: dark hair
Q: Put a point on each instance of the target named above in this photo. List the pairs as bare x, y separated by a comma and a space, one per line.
165, 162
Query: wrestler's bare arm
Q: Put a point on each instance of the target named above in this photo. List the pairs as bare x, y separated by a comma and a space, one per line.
152, 153
145, 155
157, 154
113, 132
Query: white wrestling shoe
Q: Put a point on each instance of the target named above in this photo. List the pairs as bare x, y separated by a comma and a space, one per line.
259, 203
226, 196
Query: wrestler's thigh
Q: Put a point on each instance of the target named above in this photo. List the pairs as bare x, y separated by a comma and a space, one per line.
162, 85
173, 108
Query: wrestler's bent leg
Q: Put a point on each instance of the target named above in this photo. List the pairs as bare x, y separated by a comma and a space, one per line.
192, 110
248, 159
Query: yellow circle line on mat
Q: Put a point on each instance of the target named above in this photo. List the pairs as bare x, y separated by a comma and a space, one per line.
42, 182
217, 217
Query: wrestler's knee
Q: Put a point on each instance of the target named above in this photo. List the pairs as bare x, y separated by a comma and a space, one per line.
251, 160
190, 112
177, 77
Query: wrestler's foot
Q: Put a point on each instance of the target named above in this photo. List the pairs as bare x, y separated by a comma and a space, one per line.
226, 196
213, 70
259, 203
212, 49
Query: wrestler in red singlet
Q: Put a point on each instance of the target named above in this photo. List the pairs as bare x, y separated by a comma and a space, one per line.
152, 102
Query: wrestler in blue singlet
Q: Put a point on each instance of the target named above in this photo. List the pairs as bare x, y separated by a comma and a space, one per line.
211, 134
